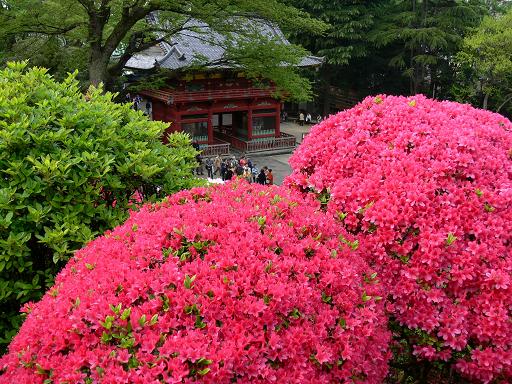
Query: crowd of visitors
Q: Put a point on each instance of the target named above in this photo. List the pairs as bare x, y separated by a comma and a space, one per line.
305, 117
227, 168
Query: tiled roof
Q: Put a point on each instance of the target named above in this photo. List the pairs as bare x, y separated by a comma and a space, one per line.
199, 43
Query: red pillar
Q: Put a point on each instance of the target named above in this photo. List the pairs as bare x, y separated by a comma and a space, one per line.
210, 126
278, 120
249, 122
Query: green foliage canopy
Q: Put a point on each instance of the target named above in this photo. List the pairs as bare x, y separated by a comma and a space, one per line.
349, 22
422, 36
485, 64
70, 166
101, 36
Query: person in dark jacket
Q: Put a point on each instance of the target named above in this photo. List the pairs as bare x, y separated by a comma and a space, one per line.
229, 174
223, 170
209, 167
262, 178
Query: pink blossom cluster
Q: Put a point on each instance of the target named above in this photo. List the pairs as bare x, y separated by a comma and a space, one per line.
235, 283
426, 189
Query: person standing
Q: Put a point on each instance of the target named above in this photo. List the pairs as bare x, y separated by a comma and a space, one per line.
229, 174
270, 177
216, 165
262, 178
199, 168
301, 119
247, 174
308, 118
255, 173
223, 170
199, 159
239, 170
209, 167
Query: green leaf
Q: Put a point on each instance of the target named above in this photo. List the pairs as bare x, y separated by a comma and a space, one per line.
188, 281
450, 239
365, 297
107, 324
126, 313
489, 208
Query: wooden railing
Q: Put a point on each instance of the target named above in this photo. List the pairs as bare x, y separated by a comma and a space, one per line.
262, 144
220, 148
271, 143
171, 96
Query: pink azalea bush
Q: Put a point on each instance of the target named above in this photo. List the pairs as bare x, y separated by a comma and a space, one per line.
426, 189
237, 283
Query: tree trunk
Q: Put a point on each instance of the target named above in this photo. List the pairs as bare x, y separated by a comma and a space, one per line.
102, 47
98, 18
486, 100
98, 69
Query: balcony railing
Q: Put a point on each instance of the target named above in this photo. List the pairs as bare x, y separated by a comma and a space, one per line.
171, 96
272, 143
285, 141
220, 148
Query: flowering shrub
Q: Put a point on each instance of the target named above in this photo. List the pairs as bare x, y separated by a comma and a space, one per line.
70, 164
234, 283
426, 189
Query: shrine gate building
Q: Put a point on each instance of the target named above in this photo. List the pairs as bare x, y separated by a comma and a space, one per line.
218, 107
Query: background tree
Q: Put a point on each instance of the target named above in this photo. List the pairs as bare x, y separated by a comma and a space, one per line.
422, 36
72, 165
345, 39
103, 35
398, 47
484, 69
343, 44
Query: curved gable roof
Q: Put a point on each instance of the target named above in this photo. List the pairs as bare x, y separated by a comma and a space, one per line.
199, 43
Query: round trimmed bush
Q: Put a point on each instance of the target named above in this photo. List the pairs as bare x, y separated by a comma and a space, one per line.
237, 283
426, 189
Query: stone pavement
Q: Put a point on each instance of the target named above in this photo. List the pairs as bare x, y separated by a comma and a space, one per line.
279, 163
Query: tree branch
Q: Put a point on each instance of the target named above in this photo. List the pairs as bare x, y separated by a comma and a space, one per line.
133, 46
129, 17
87, 4
507, 99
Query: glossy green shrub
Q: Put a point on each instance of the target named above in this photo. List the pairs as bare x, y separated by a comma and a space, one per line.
71, 166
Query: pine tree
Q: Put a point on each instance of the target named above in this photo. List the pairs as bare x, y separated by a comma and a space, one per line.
423, 36
342, 44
